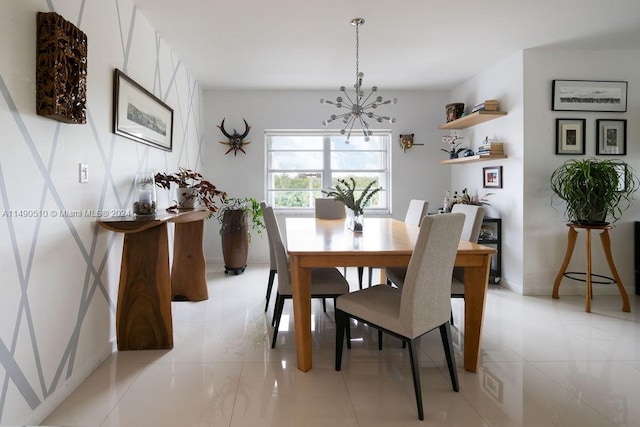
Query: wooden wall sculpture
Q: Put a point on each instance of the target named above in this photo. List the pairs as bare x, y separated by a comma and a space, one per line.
61, 69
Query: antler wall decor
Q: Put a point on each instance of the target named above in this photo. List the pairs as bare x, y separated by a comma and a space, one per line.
236, 140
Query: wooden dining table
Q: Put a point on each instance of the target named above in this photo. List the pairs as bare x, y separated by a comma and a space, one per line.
385, 242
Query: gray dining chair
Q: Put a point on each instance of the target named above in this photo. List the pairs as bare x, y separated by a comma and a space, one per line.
330, 208
417, 210
473, 223
471, 231
273, 267
422, 305
325, 282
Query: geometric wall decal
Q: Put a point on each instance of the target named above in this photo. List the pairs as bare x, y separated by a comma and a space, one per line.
61, 69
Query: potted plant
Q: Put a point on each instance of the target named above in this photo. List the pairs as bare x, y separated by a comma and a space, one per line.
238, 217
345, 191
594, 190
192, 188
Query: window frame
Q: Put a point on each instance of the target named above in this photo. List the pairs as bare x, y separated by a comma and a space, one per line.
326, 171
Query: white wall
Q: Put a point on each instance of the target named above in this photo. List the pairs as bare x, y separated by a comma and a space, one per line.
416, 174
545, 233
503, 81
60, 275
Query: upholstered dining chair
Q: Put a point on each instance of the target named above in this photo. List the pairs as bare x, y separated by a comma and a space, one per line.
471, 231
330, 208
422, 305
273, 267
473, 223
325, 282
416, 211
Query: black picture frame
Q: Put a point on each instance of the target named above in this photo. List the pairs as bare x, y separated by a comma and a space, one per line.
570, 136
611, 137
589, 95
140, 115
492, 177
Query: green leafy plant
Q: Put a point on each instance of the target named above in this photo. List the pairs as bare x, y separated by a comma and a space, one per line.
207, 193
248, 205
592, 191
346, 193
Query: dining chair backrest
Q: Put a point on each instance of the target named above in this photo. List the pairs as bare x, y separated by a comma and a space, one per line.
425, 302
329, 208
417, 210
474, 215
272, 255
282, 261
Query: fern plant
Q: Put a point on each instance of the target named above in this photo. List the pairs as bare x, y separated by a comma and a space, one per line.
346, 193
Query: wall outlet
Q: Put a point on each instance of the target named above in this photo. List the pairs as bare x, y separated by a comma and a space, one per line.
84, 173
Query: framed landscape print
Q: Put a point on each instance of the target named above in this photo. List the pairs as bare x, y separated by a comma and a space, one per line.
140, 115
587, 95
611, 137
570, 136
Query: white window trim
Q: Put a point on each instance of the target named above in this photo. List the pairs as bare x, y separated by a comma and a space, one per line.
268, 133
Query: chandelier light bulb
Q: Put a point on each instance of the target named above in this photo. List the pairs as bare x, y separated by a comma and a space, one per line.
360, 104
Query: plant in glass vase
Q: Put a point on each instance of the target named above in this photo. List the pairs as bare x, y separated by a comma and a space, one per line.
192, 188
345, 191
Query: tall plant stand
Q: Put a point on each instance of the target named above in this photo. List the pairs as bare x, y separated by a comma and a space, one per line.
588, 276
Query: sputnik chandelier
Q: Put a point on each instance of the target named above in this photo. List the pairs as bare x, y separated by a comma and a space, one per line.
360, 106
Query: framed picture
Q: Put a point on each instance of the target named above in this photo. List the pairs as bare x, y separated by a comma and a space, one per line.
492, 177
140, 115
587, 95
612, 137
570, 136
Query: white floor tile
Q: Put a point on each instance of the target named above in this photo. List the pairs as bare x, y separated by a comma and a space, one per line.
544, 362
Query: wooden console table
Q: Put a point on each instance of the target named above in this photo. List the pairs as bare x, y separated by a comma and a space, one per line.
606, 246
143, 314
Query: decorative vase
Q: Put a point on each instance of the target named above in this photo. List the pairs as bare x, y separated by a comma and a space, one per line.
355, 221
453, 155
187, 197
235, 241
144, 202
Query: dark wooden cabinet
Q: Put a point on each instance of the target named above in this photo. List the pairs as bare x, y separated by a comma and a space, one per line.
491, 235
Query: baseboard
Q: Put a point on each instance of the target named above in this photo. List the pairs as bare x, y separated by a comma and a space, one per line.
65, 389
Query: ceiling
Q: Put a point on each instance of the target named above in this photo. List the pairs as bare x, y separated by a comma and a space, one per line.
404, 44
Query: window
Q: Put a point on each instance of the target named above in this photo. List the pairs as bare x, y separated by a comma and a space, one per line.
300, 164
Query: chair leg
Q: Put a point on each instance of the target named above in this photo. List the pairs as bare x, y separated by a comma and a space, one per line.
341, 324
348, 330
451, 321
447, 343
415, 370
379, 339
272, 275
275, 310
277, 315
324, 305
370, 276
360, 273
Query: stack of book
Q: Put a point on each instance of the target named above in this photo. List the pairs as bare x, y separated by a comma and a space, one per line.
488, 105
490, 148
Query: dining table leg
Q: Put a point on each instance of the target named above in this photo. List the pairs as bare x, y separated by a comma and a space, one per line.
301, 290
476, 280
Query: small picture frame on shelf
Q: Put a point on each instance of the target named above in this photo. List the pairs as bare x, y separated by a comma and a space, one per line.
570, 136
611, 137
492, 177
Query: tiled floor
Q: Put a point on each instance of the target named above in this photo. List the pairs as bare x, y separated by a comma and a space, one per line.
544, 362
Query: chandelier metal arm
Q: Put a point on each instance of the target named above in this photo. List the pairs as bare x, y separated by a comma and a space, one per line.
358, 105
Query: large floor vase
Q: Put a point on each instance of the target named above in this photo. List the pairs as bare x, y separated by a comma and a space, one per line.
235, 241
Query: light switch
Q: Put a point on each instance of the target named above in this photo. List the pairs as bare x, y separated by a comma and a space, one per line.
84, 173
